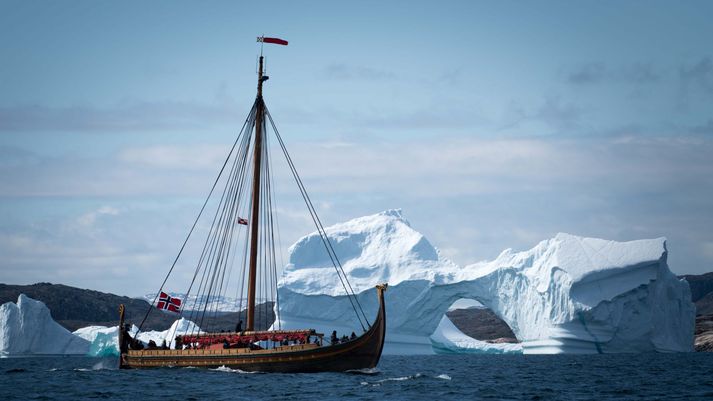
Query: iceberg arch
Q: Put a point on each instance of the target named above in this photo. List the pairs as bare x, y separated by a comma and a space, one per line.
491, 338
568, 294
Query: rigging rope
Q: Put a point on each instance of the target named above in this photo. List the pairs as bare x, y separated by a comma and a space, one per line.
217, 262
320, 228
217, 255
173, 265
211, 240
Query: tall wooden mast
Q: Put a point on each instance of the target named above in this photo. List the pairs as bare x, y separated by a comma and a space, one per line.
255, 214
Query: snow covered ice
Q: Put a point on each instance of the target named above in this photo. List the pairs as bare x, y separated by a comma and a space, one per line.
216, 302
105, 340
178, 328
26, 327
568, 294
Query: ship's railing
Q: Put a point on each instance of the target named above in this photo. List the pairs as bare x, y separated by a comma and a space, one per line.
249, 337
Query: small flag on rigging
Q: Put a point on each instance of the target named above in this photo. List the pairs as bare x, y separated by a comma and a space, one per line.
276, 41
242, 221
168, 302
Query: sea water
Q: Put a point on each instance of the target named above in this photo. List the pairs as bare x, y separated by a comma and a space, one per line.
448, 377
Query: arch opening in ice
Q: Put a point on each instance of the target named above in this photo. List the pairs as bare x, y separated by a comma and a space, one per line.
468, 326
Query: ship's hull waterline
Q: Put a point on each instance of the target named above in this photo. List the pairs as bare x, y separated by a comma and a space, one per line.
362, 352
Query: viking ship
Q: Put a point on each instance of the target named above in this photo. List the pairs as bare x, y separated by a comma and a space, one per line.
248, 244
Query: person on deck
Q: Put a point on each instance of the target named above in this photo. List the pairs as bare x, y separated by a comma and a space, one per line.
239, 327
353, 336
334, 339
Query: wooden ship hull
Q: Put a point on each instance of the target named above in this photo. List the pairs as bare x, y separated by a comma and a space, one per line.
362, 352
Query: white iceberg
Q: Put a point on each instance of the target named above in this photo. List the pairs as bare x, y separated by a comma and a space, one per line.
104, 341
568, 294
180, 327
28, 328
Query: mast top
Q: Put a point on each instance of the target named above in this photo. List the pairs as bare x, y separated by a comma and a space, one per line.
260, 79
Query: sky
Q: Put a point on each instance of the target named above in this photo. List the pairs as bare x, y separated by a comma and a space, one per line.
492, 125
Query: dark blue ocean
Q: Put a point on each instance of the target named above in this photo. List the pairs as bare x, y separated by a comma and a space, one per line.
456, 377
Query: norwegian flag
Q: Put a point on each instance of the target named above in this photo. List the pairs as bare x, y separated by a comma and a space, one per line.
242, 221
167, 302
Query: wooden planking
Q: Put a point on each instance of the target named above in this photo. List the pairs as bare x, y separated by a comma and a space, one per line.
224, 351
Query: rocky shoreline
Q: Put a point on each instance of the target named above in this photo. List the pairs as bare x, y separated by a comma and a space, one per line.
704, 333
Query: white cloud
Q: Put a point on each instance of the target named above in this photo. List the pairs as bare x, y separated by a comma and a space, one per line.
88, 220
708, 249
176, 157
472, 198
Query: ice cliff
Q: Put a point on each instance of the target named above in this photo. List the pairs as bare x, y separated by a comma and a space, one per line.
568, 294
28, 328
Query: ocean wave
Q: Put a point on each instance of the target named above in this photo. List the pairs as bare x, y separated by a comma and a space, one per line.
366, 371
102, 365
230, 370
392, 379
